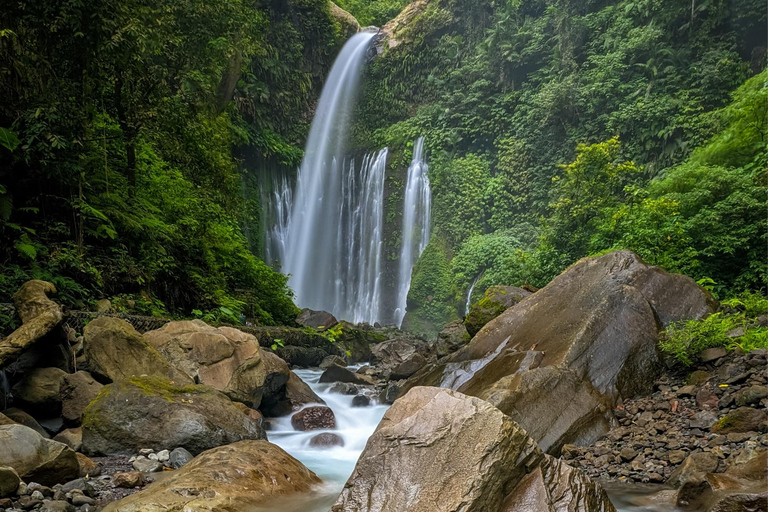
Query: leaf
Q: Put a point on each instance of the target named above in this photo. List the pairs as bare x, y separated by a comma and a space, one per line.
9, 139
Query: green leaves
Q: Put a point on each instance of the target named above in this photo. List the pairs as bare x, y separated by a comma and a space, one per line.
8, 139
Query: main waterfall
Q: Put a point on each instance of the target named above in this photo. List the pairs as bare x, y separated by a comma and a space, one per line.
327, 231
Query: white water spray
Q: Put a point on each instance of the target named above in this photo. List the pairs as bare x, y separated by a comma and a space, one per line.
417, 209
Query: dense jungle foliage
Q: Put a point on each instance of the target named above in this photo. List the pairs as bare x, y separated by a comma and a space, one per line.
559, 129
119, 128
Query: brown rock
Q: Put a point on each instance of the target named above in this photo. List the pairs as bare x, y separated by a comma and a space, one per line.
698, 377
326, 440
35, 458
244, 475
339, 374
72, 437
706, 399
9, 481
87, 467
39, 316
77, 391
702, 462
38, 391
314, 418
115, 351
743, 419
320, 320
750, 395
129, 480
712, 354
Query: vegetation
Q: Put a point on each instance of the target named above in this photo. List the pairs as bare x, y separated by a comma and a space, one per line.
559, 129
736, 327
120, 127
373, 12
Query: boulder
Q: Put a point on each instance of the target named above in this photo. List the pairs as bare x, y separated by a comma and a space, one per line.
702, 462
240, 475
114, 350
391, 353
129, 480
9, 481
734, 490
77, 391
349, 26
223, 358
72, 437
17, 416
314, 418
743, 419
320, 320
305, 357
326, 440
495, 301
283, 390
340, 374
149, 412
38, 391
35, 458
494, 465
451, 338
558, 361
329, 361
411, 365
87, 467
179, 457
39, 316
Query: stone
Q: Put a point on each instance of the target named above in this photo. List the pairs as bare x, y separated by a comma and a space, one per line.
559, 376
712, 354
329, 361
703, 419
163, 455
676, 456
627, 454
689, 390
451, 338
39, 316
72, 437
391, 353
245, 473
390, 393
494, 465
314, 418
143, 412
56, 506
178, 457
9, 481
147, 465
305, 357
495, 301
361, 401
87, 467
283, 390
326, 440
348, 23
411, 365
743, 419
340, 374
35, 458
698, 377
80, 485
77, 391
129, 480
702, 462
750, 395
38, 391
706, 399
79, 500
320, 320
115, 351
22, 418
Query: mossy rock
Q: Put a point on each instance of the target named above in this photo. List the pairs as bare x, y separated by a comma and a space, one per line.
743, 419
151, 412
495, 301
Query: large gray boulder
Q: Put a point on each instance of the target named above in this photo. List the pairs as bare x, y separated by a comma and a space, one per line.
239, 476
558, 361
492, 464
114, 350
320, 320
149, 412
35, 458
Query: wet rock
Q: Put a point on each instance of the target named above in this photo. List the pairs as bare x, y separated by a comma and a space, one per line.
340, 374
390, 393
77, 391
361, 401
35, 458
246, 473
494, 465
314, 418
283, 390
178, 457
329, 361
495, 301
326, 440
560, 375
129, 480
151, 412
702, 462
115, 351
743, 419
320, 320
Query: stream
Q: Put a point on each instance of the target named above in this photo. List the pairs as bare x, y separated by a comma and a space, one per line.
355, 425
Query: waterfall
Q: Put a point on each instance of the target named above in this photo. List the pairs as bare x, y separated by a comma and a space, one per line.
332, 248
277, 198
469, 293
416, 224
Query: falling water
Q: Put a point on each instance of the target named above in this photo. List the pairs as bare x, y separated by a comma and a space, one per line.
416, 224
277, 197
469, 294
333, 221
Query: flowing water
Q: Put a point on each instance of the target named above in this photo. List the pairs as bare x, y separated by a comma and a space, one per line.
333, 465
417, 208
469, 294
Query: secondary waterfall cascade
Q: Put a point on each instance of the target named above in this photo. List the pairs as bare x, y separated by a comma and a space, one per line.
417, 208
327, 232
